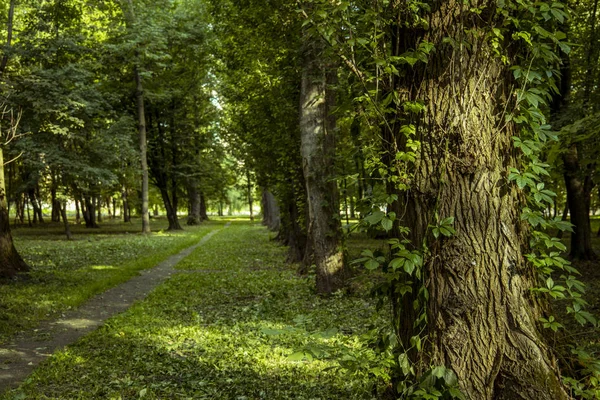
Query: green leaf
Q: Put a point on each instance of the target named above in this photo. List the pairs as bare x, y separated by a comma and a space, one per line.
387, 224
375, 217
371, 265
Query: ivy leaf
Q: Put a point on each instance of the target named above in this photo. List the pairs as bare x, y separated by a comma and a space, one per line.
375, 217
387, 224
371, 265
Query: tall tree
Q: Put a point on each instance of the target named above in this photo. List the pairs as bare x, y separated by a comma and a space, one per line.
317, 126
10, 261
129, 10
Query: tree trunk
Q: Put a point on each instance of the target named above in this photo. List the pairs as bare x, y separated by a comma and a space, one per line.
203, 213
63, 213
482, 319
77, 212
579, 189
89, 213
250, 195
194, 217
11, 262
139, 94
143, 151
126, 213
55, 213
270, 211
37, 209
318, 151
99, 208
171, 212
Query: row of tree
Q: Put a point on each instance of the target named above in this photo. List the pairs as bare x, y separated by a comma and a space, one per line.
466, 132
430, 122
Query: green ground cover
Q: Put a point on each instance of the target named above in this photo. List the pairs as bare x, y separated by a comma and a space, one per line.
236, 323
64, 273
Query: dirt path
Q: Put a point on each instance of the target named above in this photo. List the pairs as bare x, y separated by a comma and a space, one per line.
28, 349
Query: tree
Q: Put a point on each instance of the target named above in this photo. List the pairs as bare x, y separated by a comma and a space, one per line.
11, 262
129, 10
459, 278
317, 125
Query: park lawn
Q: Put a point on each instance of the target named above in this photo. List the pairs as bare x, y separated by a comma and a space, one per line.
64, 274
236, 323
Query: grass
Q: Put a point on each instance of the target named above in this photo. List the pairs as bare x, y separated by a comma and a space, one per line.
64, 274
236, 323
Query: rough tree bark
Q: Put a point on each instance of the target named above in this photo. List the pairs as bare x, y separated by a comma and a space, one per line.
482, 318
11, 262
318, 150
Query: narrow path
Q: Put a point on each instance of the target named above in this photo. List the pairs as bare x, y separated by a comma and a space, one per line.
28, 349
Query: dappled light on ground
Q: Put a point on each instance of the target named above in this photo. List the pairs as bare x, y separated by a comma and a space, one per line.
249, 329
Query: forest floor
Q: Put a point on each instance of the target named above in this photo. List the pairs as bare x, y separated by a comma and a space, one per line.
234, 322
28, 348
227, 319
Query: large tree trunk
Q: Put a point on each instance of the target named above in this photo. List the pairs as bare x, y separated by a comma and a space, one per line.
270, 211
579, 190
318, 150
11, 262
482, 319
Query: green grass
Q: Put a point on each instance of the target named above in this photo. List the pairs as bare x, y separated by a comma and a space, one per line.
236, 323
64, 274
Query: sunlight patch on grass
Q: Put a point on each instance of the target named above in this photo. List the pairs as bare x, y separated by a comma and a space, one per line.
102, 267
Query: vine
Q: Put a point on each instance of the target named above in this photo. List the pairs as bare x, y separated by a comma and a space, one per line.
528, 42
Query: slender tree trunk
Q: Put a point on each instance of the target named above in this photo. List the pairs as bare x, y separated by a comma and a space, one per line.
55, 213
99, 208
578, 198
318, 150
482, 321
143, 150
129, 10
194, 217
77, 212
250, 195
124, 197
11, 262
63, 213
28, 213
35, 206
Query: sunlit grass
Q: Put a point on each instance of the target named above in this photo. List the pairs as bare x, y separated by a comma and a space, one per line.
227, 327
64, 274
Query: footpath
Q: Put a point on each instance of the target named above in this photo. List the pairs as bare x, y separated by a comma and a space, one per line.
19, 357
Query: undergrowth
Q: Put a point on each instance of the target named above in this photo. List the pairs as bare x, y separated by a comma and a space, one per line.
235, 323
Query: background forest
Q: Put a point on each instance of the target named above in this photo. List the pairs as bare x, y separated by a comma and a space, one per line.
461, 135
